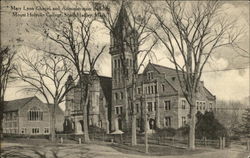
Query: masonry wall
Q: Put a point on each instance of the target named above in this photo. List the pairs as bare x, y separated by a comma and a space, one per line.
26, 126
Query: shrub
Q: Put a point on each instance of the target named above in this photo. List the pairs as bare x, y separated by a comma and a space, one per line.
209, 127
169, 132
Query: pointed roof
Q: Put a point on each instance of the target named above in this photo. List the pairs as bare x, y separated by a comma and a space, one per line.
122, 18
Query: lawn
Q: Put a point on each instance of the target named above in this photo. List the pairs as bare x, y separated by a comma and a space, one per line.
154, 150
43, 148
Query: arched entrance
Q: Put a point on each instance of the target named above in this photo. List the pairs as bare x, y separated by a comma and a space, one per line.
78, 127
152, 124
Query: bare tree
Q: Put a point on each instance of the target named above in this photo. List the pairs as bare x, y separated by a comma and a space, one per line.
192, 31
138, 40
6, 68
46, 74
74, 35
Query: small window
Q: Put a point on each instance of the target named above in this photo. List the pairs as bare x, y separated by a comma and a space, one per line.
46, 130
173, 78
23, 130
35, 130
168, 121
118, 110
167, 105
150, 75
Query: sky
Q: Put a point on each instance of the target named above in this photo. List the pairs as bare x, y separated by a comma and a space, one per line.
226, 75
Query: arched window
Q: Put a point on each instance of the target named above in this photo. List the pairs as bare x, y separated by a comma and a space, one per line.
35, 114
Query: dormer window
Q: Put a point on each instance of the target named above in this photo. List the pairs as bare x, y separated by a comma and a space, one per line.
150, 75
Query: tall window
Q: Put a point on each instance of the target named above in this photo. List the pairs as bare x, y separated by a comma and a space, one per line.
184, 121
152, 89
137, 108
118, 63
168, 121
115, 63
138, 123
156, 89
167, 105
183, 104
35, 114
121, 95
116, 96
150, 106
163, 87
138, 90
155, 105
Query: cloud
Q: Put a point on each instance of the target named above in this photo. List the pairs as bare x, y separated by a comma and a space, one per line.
228, 85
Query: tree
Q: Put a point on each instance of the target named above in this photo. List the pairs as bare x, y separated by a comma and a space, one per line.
191, 32
138, 40
246, 123
6, 68
74, 36
46, 74
208, 126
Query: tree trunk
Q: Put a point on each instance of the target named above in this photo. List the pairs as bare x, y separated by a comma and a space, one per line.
85, 117
146, 131
83, 103
1, 119
192, 127
134, 140
85, 123
133, 137
126, 102
53, 121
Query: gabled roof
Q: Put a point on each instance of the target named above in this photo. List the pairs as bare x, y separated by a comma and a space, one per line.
14, 105
175, 83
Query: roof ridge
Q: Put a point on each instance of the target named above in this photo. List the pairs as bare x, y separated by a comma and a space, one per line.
163, 66
21, 99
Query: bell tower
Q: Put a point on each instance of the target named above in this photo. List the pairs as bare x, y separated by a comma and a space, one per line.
123, 44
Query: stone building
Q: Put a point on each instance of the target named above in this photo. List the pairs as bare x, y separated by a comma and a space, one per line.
158, 89
29, 116
99, 103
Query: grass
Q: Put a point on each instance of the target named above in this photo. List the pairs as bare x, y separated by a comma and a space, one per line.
154, 150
